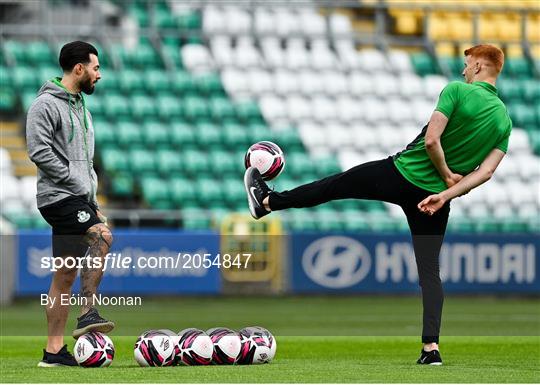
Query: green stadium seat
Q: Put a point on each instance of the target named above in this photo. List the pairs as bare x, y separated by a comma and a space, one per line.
130, 81
454, 64
94, 104
27, 99
195, 219
109, 81
460, 225
302, 220
142, 107
39, 52
221, 109
531, 90
381, 222
328, 219
289, 140
140, 14
142, 162
248, 112
163, 18
509, 90
155, 192
114, 160
196, 109
157, 81
208, 190
182, 192
5, 78
195, 163
189, 20
374, 207
115, 106
45, 73
223, 163
233, 192
209, 84
326, 166
103, 133
122, 186
169, 107
15, 50
40, 223
487, 225
207, 135
171, 51
183, 83
8, 100
25, 78
355, 220
518, 67
168, 163
260, 131
299, 164
128, 134
514, 225
235, 136
182, 135
423, 64
521, 114
155, 134
141, 56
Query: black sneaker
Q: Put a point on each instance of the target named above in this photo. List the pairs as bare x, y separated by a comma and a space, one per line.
430, 358
256, 190
92, 322
62, 358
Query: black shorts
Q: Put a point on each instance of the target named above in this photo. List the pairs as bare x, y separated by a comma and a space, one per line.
70, 218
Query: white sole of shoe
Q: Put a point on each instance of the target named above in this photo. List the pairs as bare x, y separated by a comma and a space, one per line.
42, 364
249, 197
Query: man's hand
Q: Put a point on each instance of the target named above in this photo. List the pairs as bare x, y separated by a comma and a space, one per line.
102, 217
431, 204
452, 179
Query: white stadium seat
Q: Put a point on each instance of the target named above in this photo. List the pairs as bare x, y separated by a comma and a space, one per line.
400, 61
260, 82
334, 83
312, 24
310, 83
313, 135
373, 60
238, 20
339, 24
213, 20
285, 82
298, 108
519, 141
360, 84
197, 58
235, 82
323, 109
348, 109
264, 21
433, 85
386, 85
273, 108
410, 85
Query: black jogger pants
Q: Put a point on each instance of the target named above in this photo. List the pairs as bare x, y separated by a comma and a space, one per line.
380, 180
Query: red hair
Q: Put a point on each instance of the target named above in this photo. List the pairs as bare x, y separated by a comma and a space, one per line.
489, 53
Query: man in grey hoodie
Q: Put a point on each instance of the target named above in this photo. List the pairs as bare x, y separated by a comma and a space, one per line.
60, 139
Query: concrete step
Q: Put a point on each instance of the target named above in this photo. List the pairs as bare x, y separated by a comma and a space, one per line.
21, 170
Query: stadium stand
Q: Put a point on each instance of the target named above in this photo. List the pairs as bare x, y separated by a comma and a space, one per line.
175, 113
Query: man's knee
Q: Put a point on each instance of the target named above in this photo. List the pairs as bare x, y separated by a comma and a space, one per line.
98, 233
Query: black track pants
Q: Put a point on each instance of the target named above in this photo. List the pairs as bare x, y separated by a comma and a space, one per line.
380, 180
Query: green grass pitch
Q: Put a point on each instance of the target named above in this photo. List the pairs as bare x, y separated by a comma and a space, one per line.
320, 339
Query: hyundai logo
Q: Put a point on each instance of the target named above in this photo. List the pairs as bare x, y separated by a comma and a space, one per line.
336, 262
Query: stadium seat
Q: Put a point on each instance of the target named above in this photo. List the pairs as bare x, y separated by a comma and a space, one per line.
142, 162
423, 64
155, 192
195, 163
114, 160
182, 191
103, 133
182, 135
169, 107
115, 106
121, 186
207, 136
142, 107
128, 134
155, 134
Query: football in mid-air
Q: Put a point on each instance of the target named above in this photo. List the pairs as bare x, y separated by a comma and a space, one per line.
266, 157
226, 345
155, 348
194, 347
93, 350
258, 346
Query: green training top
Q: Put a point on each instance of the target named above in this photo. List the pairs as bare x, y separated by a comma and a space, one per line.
477, 123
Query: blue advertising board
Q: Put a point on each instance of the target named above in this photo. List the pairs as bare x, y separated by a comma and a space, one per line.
141, 262
386, 264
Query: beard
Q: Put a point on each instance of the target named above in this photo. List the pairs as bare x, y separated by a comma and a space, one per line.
86, 85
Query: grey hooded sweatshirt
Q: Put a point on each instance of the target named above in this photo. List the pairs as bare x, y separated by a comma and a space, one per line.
60, 140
